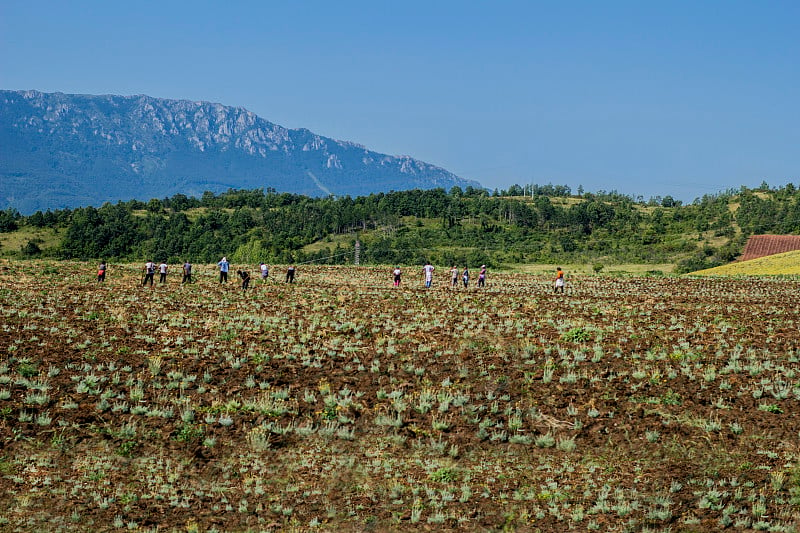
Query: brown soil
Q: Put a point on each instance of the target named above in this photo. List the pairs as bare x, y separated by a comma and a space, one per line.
340, 402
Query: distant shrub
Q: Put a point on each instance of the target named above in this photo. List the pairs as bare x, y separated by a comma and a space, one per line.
31, 249
695, 263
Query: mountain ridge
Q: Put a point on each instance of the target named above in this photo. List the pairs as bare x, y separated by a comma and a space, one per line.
63, 150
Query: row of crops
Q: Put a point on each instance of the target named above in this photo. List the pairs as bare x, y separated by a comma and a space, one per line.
658, 404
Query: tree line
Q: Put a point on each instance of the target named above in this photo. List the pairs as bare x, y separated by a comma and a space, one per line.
470, 226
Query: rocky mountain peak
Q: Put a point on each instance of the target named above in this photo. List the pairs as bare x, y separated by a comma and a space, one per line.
60, 150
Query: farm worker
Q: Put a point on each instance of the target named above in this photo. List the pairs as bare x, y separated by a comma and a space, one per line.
428, 270
101, 271
264, 271
290, 274
397, 272
559, 281
224, 266
149, 272
162, 270
187, 272
482, 277
465, 277
454, 276
245, 278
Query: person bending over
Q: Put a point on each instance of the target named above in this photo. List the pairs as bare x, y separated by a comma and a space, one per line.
245, 278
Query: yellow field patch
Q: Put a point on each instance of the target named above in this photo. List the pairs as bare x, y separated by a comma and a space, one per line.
787, 263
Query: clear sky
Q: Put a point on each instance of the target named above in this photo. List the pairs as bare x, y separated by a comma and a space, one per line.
680, 98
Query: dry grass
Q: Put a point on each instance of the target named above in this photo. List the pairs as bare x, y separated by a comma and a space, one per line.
785, 264
14, 241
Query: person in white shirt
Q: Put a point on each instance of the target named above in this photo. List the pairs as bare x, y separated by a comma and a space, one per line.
162, 270
397, 272
264, 271
428, 270
149, 272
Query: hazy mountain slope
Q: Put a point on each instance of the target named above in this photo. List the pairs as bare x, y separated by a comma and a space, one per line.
59, 150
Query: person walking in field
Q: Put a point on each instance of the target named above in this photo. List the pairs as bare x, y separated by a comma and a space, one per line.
245, 278
162, 270
264, 272
224, 266
187, 272
101, 272
482, 277
559, 281
290, 274
149, 273
465, 277
428, 271
454, 276
397, 272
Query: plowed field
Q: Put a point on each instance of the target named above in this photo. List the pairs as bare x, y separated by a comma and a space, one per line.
764, 245
342, 403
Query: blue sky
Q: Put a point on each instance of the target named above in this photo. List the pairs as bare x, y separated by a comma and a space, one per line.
680, 98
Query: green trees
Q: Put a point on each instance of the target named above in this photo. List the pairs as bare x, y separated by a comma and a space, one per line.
110, 231
411, 226
9, 220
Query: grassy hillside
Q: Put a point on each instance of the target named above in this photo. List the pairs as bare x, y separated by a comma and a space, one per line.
773, 265
47, 239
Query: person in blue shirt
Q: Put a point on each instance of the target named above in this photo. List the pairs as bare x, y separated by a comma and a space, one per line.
224, 266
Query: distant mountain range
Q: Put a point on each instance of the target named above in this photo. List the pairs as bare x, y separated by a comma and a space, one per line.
61, 150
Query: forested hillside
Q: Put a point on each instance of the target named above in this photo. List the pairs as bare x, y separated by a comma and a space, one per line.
543, 224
